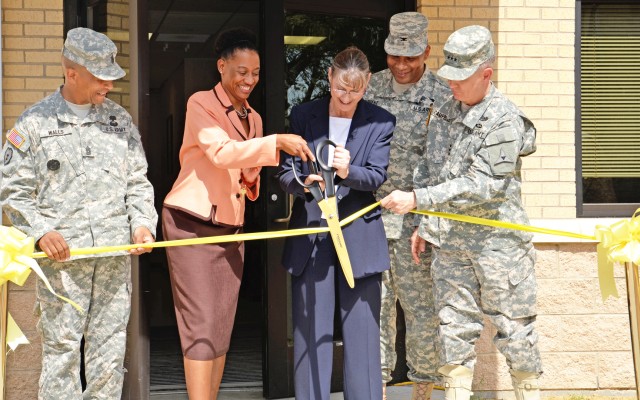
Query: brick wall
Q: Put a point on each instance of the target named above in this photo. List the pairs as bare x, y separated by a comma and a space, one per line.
31, 42
117, 28
535, 68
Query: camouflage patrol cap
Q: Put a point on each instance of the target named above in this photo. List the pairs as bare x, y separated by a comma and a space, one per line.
407, 34
465, 50
94, 51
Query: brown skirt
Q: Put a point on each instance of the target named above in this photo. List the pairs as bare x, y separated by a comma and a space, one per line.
205, 281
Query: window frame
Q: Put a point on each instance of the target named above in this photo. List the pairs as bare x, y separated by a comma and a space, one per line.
587, 210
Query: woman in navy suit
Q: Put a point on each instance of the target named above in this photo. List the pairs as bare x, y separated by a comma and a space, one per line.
362, 132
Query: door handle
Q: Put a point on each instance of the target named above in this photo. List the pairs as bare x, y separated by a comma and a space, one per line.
288, 203
279, 201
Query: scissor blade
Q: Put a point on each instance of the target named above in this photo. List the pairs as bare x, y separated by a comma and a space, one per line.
329, 208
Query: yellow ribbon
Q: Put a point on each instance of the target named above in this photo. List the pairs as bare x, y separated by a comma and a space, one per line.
618, 243
15, 337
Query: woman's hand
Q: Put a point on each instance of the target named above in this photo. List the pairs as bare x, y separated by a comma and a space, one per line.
294, 145
314, 178
341, 160
250, 175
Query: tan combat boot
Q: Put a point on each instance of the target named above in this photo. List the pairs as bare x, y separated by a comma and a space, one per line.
525, 385
457, 382
422, 391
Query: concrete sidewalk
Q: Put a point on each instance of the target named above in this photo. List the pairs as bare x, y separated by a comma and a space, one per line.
403, 392
393, 393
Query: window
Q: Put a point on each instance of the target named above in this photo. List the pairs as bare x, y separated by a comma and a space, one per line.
609, 108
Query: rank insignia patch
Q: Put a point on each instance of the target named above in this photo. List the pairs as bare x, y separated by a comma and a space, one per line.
15, 138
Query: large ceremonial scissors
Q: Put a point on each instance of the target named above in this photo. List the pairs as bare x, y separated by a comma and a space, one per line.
329, 206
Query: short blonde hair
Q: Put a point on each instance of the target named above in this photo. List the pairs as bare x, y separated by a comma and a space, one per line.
350, 67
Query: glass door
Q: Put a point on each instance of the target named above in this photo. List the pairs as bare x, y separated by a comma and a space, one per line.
301, 38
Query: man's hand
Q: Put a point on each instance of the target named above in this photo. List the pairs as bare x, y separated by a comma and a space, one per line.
418, 246
54, 246
142, 235
399, 202
294, 145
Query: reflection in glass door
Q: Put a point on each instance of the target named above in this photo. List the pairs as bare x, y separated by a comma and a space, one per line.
311, 42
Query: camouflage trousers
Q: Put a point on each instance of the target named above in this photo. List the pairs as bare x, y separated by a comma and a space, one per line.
412, 285
102, 287
499, 284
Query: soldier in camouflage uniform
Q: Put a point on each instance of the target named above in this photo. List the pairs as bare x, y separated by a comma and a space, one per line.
478, 270
74, 175
408, 90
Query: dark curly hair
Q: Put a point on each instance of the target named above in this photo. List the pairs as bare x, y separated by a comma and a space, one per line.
234, 39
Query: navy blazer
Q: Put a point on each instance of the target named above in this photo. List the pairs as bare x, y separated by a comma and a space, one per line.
368, 143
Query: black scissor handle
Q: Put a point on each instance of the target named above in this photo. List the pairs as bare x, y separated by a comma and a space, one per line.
314, 187
312, 170
326, 170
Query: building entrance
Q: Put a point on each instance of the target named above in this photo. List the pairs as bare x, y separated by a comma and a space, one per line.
167, 46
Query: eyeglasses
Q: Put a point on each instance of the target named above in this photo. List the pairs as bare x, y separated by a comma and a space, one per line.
342, 92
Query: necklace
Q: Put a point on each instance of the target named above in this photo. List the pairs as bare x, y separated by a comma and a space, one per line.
242, 114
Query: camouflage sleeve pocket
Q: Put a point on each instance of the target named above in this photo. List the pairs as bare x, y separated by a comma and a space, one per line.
503, 151
523, 268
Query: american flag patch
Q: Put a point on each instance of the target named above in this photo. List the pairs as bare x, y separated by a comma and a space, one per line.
15, 138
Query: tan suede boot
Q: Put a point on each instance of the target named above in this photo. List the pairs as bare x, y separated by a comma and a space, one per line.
525, 385
422, 391
457, 382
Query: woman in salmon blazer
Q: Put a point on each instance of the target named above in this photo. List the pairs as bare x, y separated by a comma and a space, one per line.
222, 152
319, 289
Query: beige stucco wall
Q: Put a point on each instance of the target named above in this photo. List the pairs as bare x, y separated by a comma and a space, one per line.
585, 343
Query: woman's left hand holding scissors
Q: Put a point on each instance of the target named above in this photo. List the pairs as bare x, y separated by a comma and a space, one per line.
311, 178
341, 160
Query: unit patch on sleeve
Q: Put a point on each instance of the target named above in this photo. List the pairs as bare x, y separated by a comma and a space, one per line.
15, 138
8, 153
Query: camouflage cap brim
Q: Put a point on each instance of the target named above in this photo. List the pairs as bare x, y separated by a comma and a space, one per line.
403, 49
110, 73
456, 74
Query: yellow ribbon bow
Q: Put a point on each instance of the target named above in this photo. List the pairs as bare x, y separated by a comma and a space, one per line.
619, 242
16, 250
16, 254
